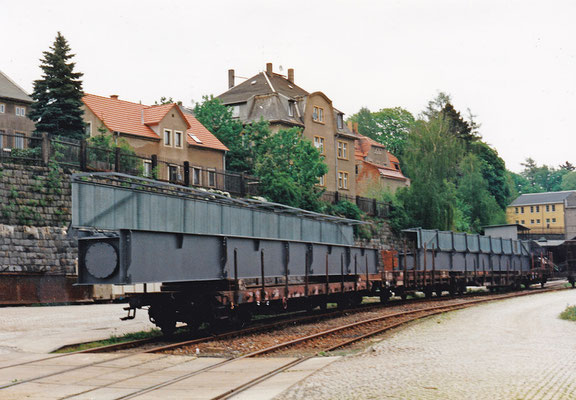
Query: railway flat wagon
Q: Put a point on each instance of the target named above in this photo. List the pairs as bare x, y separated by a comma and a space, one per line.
218, 259
436, 261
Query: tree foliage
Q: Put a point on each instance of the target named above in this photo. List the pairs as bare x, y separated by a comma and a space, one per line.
389, 126
536, 178
57, 109
457, 180
431, 160
287, 165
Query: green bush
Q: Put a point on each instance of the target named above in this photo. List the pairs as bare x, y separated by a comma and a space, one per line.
569, 313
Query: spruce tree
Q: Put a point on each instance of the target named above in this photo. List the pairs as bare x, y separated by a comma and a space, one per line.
57, 109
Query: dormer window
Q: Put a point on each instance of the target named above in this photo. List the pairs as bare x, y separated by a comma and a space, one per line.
291, 108
340, 120
235, 111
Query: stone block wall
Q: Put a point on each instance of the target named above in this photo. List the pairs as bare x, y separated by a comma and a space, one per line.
35, 211
383, 237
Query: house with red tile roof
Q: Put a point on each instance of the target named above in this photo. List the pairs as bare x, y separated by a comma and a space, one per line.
376, 168
168, 131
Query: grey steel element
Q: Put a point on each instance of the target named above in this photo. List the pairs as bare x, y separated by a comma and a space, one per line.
466, 252
101, 260
113, 201
147, 256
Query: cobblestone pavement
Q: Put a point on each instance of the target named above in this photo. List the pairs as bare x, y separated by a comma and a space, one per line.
512, 349
43, 329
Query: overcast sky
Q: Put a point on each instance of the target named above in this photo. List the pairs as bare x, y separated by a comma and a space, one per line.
511, 62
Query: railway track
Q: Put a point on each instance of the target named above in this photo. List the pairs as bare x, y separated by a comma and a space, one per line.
304, 347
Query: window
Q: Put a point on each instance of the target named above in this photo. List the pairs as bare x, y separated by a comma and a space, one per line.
517, 221
553, 207
173, 174
319, 144
522, 211
318, 114
553, 219
547, 220
235, 111
19, 140
516, 210
147, 169
167, 137
177, 139
356, 169
537, 208
88, 129
291, 108
20, 111
211, 177
2, 108
340, 121
531, 209
195, 138
342, 150
196, 177
522, 221
322, 180
531, 221
547, 208
537, 221
342, 180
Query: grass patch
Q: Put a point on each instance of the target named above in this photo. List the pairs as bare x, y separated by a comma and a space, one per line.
112, 340
569, 313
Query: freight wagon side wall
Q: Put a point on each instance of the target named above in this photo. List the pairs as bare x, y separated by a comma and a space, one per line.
145, 256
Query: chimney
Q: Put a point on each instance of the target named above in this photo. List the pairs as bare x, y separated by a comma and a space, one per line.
114, 96
291, 75
356, 127
230, 78
269, 68
350, 125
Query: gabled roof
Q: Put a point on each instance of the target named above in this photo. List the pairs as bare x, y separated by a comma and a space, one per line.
10, 90
542, 198
207, 139
135, 119
259, 84
120, 115
154, 114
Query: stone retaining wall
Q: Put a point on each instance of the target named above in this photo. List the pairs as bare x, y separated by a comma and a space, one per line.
35, 210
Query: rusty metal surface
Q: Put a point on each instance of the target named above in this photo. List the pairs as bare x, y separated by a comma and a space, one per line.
17, 288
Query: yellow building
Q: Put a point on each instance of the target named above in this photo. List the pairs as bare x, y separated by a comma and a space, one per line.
544, 213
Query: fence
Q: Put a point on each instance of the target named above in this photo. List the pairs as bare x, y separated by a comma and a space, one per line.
80, 155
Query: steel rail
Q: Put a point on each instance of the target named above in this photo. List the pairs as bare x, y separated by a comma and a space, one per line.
439, 309
231, 392
428, 313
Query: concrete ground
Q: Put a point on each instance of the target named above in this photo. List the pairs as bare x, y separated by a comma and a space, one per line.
44, 329
512, 349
